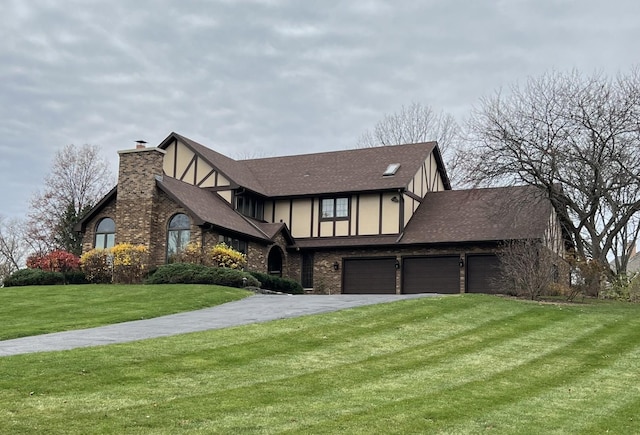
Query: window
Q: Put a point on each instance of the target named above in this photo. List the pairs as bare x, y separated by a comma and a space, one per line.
250, 206
105, 233
335, 208
391, 170
238, 245
178, 235
307, 270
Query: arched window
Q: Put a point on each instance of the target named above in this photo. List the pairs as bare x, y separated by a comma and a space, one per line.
179, 234
105, 233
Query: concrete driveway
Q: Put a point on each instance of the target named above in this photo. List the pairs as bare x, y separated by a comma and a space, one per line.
254, 309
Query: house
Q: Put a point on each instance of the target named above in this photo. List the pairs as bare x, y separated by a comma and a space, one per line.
372, 220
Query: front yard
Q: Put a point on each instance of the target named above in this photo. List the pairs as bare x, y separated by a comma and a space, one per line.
459, 364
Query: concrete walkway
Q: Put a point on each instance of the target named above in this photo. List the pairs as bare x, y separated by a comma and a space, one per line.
254, 309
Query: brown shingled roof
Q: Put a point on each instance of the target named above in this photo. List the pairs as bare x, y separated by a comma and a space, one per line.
208, 207
475, 215
339, 171
355, 170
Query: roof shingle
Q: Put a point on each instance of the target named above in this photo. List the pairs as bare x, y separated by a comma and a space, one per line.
208, 207
492, 214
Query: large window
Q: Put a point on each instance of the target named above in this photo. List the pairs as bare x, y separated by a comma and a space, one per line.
238, 245
105, 234
250, 206
335, 208
179, 234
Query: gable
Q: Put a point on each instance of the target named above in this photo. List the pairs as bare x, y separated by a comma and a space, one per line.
182, 163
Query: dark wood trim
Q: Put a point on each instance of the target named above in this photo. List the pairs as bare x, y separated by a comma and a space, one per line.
291, 213
380, 213
413, 196
195, 170
184, 173
401, 213
273, 212
350, 217
175, 158
423, 179
206, 177
319, 217
357, 215
313, 201
215, 181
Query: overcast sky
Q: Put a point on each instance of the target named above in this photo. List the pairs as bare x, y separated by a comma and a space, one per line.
270, 77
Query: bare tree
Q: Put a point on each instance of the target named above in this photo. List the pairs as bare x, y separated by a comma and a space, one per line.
78, 179
418, 123
577, 138
526, 268
13, 249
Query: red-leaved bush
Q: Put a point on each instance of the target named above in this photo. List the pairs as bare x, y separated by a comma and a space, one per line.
55, 261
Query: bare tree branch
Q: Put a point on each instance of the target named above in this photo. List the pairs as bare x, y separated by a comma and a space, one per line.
578, 133
418, 123
78, 179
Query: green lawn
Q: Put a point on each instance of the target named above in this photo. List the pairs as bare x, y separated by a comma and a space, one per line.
461, 364
40, 309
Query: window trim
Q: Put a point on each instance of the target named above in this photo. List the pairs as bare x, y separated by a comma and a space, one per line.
105, 234
334, 209
180, 230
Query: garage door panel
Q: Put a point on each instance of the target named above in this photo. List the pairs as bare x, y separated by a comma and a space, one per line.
483, 272
369, 276
431, 274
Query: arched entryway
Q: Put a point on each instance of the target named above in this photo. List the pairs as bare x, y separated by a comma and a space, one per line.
275, 261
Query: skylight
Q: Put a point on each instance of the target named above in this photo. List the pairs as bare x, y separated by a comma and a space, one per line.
391, 169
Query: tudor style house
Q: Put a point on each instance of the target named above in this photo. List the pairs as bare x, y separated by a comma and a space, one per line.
372, 220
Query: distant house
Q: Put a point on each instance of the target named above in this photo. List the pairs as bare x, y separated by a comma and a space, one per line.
372, 220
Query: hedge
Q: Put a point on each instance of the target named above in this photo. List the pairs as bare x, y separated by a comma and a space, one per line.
24, 277
276, 283
189, 273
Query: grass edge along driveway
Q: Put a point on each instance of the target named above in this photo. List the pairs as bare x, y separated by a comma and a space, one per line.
34, 310
463, 364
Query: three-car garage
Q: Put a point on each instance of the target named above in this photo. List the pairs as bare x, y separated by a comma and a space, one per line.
421, 274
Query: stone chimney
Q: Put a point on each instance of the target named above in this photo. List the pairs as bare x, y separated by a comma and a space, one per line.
137, 194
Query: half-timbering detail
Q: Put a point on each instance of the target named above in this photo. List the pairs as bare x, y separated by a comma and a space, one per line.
381, 220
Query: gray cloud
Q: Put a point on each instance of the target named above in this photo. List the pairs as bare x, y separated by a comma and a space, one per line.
269, 77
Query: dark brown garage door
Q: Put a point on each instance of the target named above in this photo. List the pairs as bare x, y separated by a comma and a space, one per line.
369, 275
482, 273
431, 274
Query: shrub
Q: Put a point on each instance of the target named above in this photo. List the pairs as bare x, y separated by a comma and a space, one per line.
128, 263
75, 277
96, 265
222, 255
189, 273
54, 261
34, 277
623, 288
192, 253
526, 269
276, 283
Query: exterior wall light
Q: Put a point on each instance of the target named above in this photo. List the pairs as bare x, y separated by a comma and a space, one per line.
397, 264
394, 199
461, 262
336, 266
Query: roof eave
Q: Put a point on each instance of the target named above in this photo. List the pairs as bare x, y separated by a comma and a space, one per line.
80, 226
